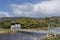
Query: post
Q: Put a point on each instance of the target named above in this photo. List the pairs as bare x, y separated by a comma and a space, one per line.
49, 29
49, 32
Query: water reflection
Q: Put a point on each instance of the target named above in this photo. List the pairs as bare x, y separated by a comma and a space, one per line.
22, 36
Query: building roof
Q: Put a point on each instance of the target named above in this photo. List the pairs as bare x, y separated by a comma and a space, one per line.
15, 23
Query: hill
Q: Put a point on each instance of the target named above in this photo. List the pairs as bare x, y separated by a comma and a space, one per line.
28, 22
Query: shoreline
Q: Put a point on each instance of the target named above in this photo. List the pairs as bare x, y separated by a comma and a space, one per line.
4, 31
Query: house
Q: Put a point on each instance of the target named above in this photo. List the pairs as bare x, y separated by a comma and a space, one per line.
15, 26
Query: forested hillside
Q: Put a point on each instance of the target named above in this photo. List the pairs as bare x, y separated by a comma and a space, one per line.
28, 22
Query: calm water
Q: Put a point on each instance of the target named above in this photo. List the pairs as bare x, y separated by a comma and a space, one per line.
22, 36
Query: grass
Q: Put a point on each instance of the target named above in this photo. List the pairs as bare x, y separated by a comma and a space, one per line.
4, 31
42, 28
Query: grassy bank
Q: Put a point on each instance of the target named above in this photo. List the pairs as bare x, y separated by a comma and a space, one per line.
42, 28
53, 38
4, 31
7, 30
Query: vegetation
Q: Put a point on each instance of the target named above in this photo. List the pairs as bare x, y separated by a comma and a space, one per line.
53, 38
4, 31
29, 23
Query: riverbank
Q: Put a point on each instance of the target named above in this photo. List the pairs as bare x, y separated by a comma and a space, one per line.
2, 31
42, 28
53, 38
9, 31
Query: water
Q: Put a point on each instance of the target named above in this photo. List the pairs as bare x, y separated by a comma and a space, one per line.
56, 30
22, 36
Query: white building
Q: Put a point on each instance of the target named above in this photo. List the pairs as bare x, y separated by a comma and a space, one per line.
15, 26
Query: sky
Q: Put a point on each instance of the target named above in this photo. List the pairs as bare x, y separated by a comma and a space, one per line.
29, 8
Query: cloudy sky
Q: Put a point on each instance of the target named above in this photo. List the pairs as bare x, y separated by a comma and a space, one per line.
29, 8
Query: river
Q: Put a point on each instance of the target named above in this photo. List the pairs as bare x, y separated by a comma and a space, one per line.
22, 36
27, 35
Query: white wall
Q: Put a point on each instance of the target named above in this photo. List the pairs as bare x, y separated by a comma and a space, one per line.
16, 26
